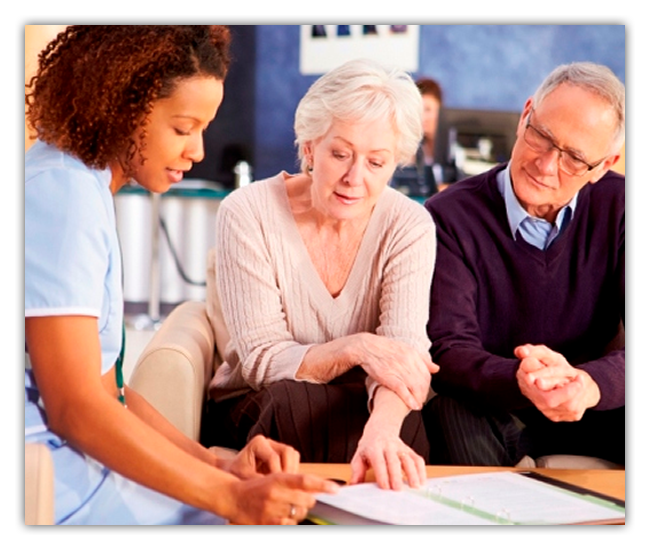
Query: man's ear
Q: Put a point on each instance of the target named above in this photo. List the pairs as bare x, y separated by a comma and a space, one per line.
604, 167
528, 107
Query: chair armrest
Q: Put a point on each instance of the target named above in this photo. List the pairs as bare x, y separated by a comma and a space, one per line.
39, 485
576, 462
176, 366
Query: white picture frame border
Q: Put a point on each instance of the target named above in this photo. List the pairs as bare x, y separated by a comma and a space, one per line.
320, 54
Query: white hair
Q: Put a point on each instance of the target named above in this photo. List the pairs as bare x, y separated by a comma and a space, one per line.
361, 91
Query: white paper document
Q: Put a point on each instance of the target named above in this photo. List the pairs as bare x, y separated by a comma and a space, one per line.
473, 499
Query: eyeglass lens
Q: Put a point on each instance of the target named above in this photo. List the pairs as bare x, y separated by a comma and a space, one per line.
542, 144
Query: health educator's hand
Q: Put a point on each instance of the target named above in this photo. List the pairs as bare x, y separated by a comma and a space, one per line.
277, 499
263, 456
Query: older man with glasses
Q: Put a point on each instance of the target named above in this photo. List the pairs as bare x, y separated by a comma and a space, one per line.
528, 298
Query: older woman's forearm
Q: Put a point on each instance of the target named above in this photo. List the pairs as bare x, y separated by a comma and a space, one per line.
324, 362
388, 410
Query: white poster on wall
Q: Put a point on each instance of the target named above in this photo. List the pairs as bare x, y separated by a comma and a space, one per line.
324, 47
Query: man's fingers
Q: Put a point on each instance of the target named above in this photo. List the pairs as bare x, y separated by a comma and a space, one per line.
550, 383
557, 397
531, 364
542, 353
553, 375
521, 352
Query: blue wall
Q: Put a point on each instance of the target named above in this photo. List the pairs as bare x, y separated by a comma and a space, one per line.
479, 66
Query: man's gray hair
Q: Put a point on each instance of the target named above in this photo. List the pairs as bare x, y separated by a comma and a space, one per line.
596, 78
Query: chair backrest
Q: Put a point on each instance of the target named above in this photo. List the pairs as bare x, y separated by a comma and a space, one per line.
213, 306
39, 485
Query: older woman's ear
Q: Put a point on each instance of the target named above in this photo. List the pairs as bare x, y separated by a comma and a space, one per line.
308, 156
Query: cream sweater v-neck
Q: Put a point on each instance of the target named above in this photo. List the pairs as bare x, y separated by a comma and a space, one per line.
276, 306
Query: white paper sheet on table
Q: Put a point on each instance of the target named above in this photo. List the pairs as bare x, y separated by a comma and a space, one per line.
472, 499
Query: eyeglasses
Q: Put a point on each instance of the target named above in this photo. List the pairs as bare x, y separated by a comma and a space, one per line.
568, 162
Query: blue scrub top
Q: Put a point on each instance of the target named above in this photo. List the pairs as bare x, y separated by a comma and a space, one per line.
72, 255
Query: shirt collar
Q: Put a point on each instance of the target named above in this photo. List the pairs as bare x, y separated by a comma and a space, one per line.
516, 213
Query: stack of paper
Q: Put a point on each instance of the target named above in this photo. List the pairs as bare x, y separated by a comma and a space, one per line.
474, 499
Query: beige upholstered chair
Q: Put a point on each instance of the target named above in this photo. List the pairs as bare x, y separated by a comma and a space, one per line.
39, 485
176, 366
174, 370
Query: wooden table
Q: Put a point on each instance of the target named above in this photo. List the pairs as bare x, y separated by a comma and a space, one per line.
607, 482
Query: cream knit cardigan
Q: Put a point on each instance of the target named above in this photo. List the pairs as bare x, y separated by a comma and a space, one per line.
274, 304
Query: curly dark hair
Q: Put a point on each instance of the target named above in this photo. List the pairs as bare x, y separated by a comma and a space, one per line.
96, 84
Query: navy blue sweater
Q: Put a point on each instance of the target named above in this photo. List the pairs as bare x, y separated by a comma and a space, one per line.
491, 293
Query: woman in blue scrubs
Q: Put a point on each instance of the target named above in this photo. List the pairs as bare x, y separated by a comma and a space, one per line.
110, 104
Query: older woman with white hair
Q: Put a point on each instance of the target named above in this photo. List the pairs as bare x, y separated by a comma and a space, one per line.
323, 278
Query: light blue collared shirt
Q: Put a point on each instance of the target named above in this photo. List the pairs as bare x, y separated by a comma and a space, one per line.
535, 231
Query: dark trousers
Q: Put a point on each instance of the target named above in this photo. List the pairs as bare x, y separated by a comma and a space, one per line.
460, 433
323, 422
